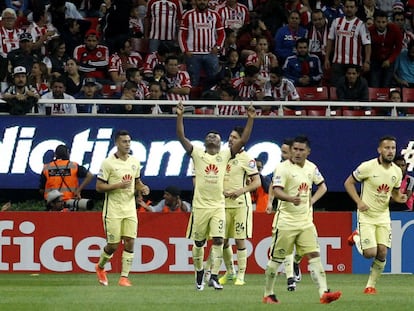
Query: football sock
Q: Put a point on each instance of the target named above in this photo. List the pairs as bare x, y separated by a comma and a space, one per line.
228, 259
318, 274
103, 259
377, 268
242, 263
127, 258
216, 258
198, 257
288, 262
208, 263
270, 276
357, 240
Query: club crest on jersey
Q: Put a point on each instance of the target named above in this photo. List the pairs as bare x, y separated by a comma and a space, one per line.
134, 167
252, 163
99, 54
211, 169
394, 179
219, 159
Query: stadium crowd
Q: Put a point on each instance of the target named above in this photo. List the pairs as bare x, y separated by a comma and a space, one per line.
246, 50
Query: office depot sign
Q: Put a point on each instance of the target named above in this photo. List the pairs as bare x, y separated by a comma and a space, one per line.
72, 242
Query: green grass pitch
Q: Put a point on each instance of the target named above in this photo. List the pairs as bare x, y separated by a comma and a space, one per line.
80, 292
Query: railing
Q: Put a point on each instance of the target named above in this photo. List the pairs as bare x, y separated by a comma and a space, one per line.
279, 108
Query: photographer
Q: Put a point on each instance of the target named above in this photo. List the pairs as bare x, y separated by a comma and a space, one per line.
171, 203
63, 175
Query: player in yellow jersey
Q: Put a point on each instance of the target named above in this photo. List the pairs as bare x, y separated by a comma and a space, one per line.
208, 215
119, 178
380, 179
293, 222
240, 179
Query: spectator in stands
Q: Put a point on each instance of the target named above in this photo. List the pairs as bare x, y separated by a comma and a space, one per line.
395, 96
318, 35
58, 92
72, 77
57, 58
333, 9
155, 93
63, 176
24, 55
41, 30
303, 10
352, 87
155, 58
171, 202
280, 88
286, 36
9, 39
176, 83
90, 90
248, 35
228, 45
71, 35
260, 196
123, 59
303, 69
404, 67
407, 186
234, 15
399, 19
39, 78
136, 22
128, 93
93, 58
367, 9
386, 43
248, 86
158, 73
262, 59
232, 67
201, 45
228, 93
349, 40
61, 10
134, 75
19, 7
161, 23
20, 97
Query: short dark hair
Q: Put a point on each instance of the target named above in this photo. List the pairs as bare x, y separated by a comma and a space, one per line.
288, 141
251, 70
302, 139
130, 72
399, 157
380, 13
302, 40
239, 130
121, 133
386, 137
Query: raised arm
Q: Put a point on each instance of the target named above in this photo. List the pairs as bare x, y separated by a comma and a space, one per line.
185, 142
251, 113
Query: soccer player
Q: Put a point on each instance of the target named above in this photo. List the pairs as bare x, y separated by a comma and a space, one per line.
293, 222
208, 216
119, 178
240, 179
380, 179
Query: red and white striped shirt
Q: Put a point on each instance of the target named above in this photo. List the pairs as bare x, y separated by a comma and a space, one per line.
9, 40
120, 64
142, 91
318, 40
285, 90
234, 18
200, 31
180, 80
37, 31
246, 91
227, 110
349, 36
151, 60
265, 64
164, 16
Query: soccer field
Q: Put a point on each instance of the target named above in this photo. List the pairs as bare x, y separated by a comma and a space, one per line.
177, 292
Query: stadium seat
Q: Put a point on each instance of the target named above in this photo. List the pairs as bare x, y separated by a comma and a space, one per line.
408, 96
111, 90
353, 113
332, 93
316, 112
195, 92
292, 112
319, 93
376, 94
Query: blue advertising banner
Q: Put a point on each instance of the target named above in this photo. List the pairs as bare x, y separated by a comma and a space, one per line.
400, 258
338, 145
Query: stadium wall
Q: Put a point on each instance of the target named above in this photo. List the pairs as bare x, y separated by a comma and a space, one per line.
50, 242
